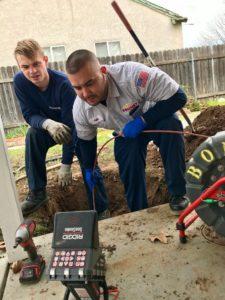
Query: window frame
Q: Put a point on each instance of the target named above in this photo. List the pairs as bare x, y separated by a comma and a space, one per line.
51, 59
107, 46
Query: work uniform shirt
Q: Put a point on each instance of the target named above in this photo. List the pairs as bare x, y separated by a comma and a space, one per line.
133, 88
55, 103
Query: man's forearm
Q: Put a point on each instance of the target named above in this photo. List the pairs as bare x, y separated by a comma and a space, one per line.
69, 149
88, 152
165, 108
68, 153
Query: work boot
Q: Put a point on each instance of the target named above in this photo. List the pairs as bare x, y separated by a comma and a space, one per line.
178, 204
34, 200
105, 214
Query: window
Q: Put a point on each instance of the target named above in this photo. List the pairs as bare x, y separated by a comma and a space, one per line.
55, 53
107, 49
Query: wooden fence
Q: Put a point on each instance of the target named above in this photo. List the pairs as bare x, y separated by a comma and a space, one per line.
200, 71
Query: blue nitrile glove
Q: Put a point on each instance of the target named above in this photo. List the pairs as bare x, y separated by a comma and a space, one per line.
133, 128
91, 177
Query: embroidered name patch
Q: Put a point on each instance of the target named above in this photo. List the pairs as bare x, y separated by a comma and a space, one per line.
142, 79
55, 107
96, 119
129, 106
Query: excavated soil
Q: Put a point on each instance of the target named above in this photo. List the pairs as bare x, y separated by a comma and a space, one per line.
209, 122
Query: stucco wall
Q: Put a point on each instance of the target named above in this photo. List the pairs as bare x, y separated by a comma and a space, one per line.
79, 24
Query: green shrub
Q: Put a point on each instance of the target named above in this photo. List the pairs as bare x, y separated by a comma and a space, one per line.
194, 105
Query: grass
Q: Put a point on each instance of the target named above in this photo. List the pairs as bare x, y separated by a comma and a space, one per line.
104, 135
198, 105
106, 154
19, 152
214, 102
16, 132
55, 150
17, 156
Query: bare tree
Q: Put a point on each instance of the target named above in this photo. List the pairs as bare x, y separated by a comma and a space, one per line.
215, 33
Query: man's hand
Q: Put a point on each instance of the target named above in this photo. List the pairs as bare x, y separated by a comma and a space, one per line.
133, 128
60, 133
91, 177
64, 175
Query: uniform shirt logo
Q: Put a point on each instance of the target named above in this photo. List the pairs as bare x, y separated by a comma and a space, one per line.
142, 79
129, 106
55, 107
96, 119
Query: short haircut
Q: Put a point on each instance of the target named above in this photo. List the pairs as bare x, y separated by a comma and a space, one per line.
78, 59
28, 48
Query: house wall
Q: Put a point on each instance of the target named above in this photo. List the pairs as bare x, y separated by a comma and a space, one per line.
79, 24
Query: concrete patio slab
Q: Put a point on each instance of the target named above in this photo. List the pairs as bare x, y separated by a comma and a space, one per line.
140, 268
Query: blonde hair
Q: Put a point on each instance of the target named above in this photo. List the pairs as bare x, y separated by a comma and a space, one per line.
28, 48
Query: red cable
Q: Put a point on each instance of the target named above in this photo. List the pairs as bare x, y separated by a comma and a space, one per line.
114, 292
176, 132
145, 131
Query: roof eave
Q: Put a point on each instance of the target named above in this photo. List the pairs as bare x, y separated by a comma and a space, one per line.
175, 18
178, 20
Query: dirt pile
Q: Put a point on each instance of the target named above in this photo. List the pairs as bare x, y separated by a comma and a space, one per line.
209, 122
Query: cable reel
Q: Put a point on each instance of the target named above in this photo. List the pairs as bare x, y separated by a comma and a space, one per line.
207, 166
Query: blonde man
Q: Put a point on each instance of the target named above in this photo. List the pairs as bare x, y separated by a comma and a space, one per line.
46, 99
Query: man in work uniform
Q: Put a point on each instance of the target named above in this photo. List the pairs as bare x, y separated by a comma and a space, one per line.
46, 99
129, 97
